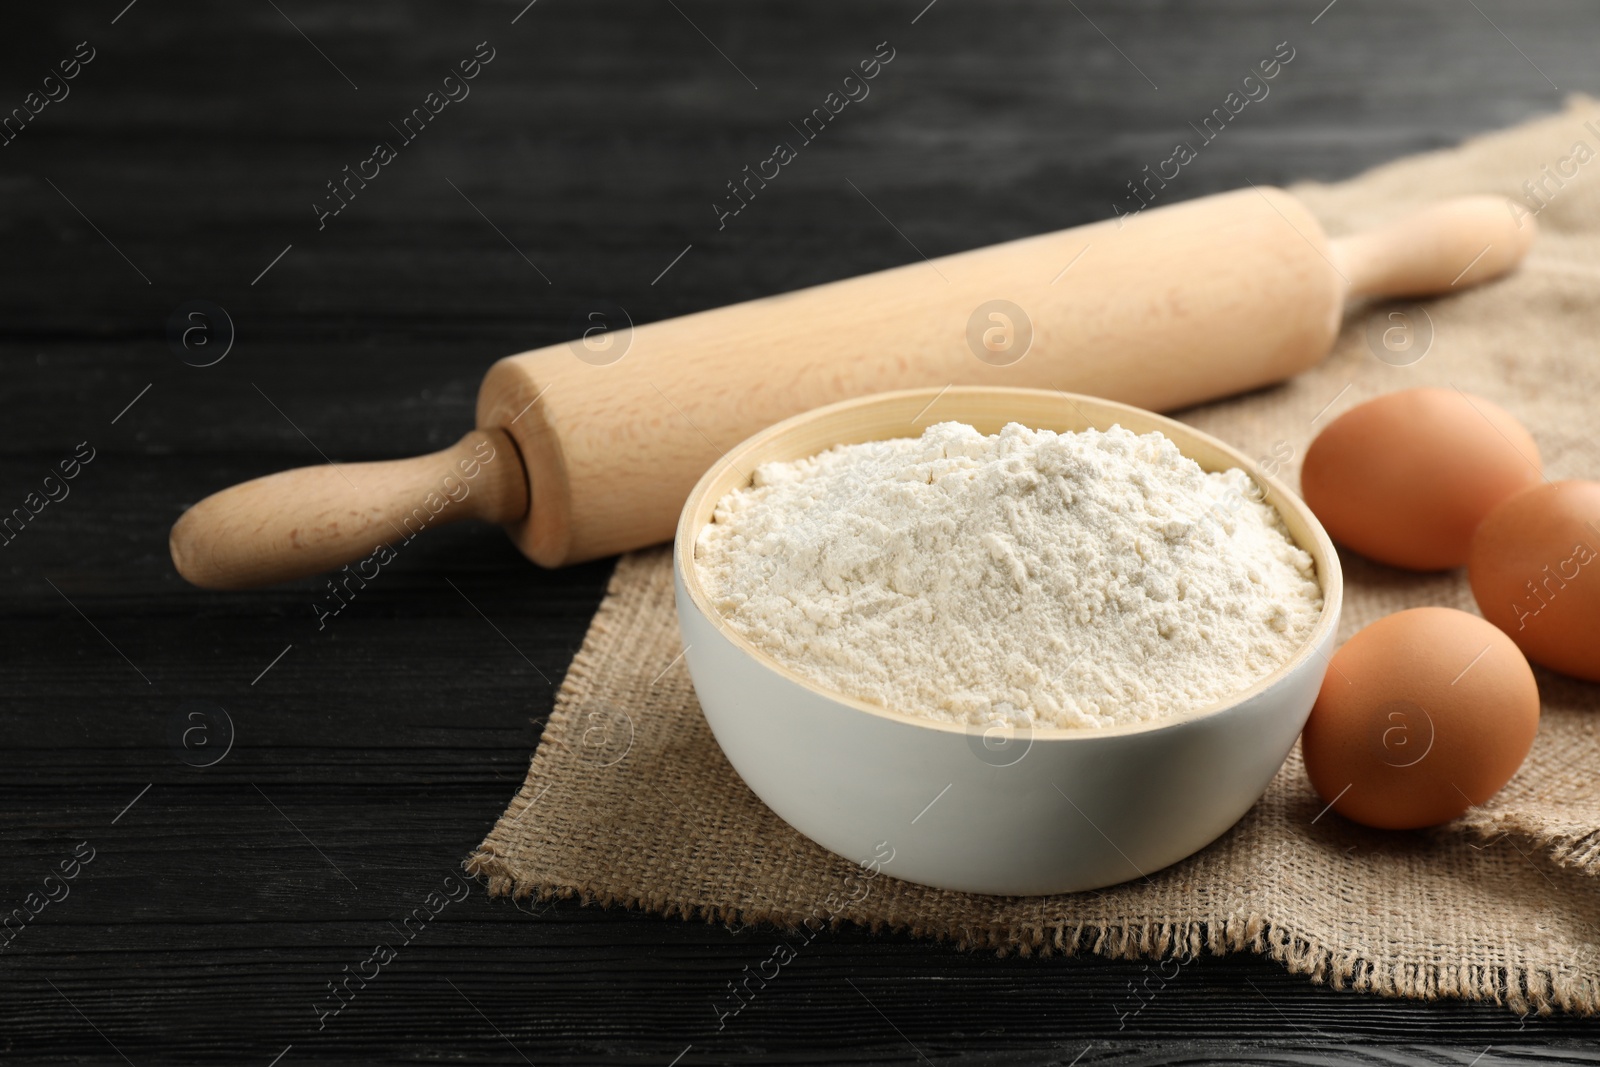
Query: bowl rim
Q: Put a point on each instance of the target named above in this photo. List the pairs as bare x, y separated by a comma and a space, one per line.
1281, 498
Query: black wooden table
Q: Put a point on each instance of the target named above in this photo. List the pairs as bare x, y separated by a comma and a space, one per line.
189, 159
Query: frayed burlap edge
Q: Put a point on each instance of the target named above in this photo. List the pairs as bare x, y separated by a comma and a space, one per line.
1521, 990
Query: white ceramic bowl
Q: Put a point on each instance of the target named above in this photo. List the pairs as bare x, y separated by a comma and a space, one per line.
990, 811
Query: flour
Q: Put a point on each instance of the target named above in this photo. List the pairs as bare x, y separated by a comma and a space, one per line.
1074, 580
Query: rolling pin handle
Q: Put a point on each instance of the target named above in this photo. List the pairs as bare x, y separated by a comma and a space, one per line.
303, 522
1440, 249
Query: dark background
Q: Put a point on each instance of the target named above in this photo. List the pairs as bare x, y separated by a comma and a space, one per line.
377, 752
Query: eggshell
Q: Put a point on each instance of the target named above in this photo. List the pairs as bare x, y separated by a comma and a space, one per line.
1535, 571
1422, 715
1406, 478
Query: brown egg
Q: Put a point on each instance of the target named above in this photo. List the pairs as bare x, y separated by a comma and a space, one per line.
1535, 571
1406, 478
1422, 715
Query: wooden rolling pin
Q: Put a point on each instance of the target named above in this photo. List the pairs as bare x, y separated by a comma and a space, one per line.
581, 457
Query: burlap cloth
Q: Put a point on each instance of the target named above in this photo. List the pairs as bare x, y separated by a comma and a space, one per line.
630, 802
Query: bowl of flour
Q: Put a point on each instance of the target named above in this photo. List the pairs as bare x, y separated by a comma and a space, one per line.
1021, 641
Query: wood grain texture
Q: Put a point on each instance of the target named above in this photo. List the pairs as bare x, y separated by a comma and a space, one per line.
381, 747
345, 520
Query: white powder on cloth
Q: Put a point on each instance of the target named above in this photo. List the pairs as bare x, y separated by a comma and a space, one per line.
1075, 579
